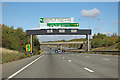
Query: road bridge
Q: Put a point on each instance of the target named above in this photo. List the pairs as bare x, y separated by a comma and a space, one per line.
62, 43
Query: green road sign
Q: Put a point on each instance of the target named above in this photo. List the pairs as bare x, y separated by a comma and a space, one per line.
28, 48
41, 20
63, 24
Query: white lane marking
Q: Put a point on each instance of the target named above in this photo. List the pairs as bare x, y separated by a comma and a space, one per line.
89, 70
69, 60
105, 59
87, 56
24, 68
63, 57
104, 55
78, 55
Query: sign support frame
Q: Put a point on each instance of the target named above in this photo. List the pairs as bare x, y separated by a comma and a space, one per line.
86, 32
31, 42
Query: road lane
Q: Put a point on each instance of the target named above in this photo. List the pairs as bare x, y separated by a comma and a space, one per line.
101, 67
54, 65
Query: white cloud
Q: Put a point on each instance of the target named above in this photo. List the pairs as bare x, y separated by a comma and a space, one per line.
90, 13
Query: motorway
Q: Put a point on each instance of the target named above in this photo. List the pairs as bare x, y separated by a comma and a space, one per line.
70, 65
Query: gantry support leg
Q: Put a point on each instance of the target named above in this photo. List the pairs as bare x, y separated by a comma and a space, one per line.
88, 42
31, 42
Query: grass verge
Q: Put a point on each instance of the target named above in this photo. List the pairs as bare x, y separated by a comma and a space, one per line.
11, 55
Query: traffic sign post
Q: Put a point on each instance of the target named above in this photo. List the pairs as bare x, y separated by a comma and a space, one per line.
31, 42
28, 47
88, 42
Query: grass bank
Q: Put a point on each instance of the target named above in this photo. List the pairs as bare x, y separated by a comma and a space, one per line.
11, 55
109, 48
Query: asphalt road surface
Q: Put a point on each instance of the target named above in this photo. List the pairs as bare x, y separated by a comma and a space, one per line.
69, 65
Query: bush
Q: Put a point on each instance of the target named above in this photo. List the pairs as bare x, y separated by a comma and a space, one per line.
16, 39
102, 40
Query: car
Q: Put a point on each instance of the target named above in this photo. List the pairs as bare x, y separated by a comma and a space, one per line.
56, 51
63, 50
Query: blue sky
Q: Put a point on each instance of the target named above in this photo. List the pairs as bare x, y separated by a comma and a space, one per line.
27, 14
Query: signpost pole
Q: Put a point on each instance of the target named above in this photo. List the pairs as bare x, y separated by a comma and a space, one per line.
31, 42
88, 42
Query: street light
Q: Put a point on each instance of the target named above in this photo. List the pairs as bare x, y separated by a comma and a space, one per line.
88, 21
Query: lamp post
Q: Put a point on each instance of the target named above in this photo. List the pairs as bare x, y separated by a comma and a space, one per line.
88, 21
88, 36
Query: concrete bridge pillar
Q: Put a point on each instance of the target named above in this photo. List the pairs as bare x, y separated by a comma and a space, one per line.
60, 47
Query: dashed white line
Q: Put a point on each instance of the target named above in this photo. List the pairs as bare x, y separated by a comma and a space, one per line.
69, 60
87, 56
63, 57
106, 59
23, 68
89, 70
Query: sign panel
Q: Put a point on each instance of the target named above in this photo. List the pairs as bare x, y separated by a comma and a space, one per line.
28, 48
63, 24
59, 25
59, 32
57, 20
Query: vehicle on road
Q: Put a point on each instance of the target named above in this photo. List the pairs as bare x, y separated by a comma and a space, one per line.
63, 50
56, 51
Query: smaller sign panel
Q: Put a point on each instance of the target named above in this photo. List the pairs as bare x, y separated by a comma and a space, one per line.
62, 31
28, 48
57, 20
74, 31
49, 31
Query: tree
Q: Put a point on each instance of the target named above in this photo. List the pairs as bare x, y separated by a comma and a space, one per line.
16, 39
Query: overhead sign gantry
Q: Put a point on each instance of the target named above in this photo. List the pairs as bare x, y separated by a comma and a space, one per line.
86, 32
62, 27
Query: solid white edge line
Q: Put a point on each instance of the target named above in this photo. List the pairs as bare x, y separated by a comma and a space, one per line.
88, 70
24, 68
